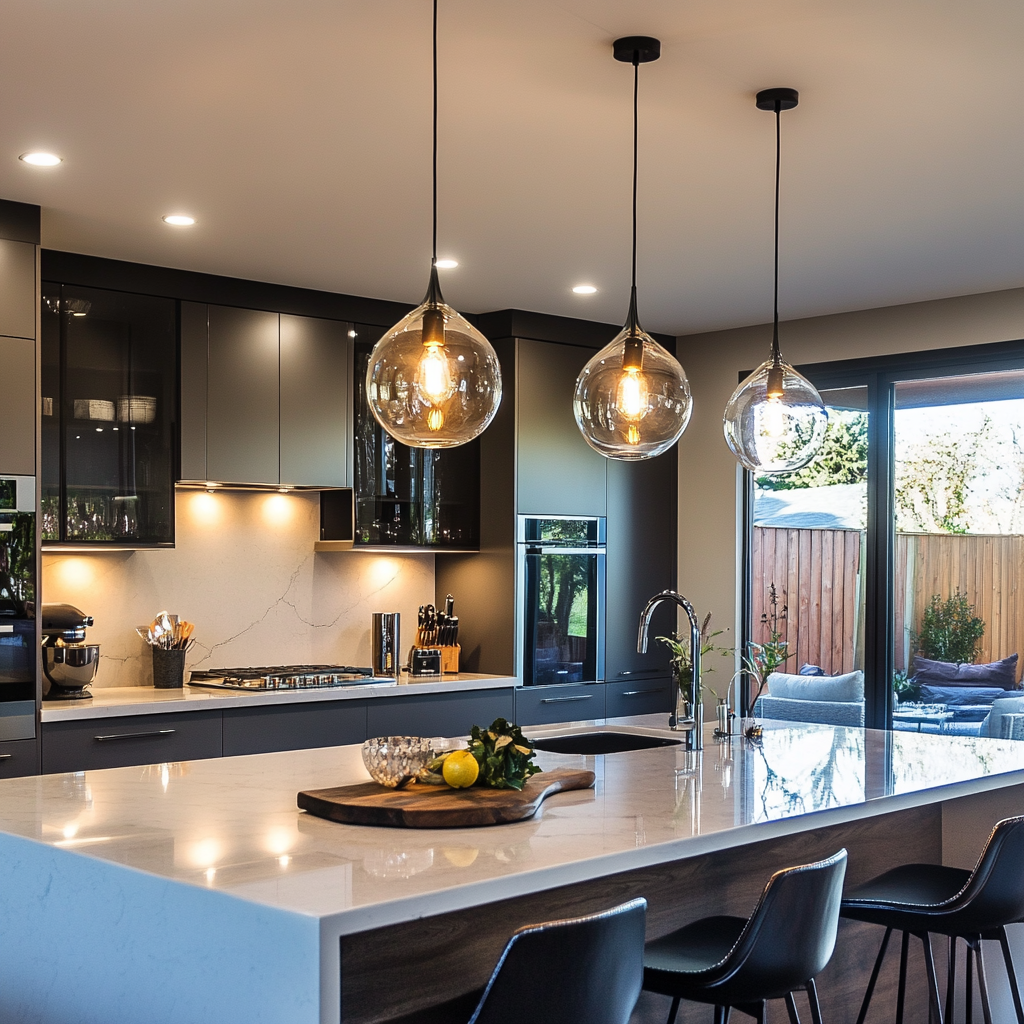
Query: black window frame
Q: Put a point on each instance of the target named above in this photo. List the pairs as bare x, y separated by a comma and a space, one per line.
880, 375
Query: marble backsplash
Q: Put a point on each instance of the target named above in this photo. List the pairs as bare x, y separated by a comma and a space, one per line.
244, 571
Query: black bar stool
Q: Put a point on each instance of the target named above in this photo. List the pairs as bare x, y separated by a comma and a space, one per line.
740, 964
926, 899
580, 969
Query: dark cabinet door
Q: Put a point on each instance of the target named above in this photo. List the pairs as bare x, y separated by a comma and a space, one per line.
546, 705
195, 359
19, 758
135, 739
558, 473
18, 408
641, 562
437, 714
640, 696
316, 358
243, 396
266, 729
18, 303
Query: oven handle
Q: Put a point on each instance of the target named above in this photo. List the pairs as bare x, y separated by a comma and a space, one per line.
559, 700
540, 549
134, 735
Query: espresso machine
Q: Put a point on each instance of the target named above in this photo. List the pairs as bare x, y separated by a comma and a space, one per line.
69, 663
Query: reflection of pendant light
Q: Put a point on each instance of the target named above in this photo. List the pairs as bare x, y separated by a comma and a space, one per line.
632, 399
775, 421
433, 380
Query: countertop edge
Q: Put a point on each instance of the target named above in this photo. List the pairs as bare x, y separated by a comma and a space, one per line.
147, 700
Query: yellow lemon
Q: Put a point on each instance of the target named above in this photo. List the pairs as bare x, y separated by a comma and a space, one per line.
460, 769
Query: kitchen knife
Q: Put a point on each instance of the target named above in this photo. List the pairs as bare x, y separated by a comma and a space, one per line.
449, 606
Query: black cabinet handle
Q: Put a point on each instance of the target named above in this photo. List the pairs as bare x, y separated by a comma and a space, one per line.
134, 735
636, 693
6, 757
558, 700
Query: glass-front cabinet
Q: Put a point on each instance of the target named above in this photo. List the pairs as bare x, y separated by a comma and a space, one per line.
109, 410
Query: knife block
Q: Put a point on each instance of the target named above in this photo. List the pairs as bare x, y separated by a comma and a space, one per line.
449, 657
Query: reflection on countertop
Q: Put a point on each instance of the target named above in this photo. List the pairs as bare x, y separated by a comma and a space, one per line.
232, 824
115, 701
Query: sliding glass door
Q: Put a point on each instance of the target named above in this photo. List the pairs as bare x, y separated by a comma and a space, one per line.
894, 556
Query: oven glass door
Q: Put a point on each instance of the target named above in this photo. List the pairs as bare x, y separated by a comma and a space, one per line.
564, 589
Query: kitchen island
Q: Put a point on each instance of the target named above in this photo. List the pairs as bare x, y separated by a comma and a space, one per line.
197, 892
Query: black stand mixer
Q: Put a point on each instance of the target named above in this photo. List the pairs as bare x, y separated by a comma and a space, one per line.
69, 663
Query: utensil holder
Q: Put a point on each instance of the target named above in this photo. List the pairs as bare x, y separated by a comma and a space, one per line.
168, 668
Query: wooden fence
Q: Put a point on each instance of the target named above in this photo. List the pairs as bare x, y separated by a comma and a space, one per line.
817, 575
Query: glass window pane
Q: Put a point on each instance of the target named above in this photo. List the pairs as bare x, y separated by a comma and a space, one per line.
805, 655
959, 517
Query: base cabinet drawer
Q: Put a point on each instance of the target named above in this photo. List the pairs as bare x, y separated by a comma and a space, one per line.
438, 714
136, 739
639, 696
548, 705
18, 758
266, 729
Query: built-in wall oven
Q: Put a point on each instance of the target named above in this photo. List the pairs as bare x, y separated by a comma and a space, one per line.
561, 587
18, 644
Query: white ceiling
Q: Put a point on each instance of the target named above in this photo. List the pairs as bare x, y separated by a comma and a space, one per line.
297, 132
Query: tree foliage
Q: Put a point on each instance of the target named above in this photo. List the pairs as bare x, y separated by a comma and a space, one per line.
842, 458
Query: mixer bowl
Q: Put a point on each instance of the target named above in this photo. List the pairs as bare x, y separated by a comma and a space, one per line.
71, 667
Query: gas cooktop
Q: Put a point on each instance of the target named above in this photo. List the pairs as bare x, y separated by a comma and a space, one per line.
287, 677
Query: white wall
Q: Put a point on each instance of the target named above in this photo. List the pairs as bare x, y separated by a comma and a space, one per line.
245, 572
708, 478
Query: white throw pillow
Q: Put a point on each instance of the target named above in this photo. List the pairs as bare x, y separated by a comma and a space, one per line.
844, 689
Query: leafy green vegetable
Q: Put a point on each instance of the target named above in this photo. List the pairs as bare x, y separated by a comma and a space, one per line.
504, 754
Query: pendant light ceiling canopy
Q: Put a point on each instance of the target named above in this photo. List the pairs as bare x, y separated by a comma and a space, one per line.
433, 380
632, 399
775, 421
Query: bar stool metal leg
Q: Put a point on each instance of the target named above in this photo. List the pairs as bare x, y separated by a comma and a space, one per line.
794, 1017
721, 1015
951, 981
969, 1009
862, 1016
934, 1006
812, 998
674, 1010
902, 992
1011, 975
986, 1010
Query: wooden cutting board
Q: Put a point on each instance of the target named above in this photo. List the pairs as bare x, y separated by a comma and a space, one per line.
420, 806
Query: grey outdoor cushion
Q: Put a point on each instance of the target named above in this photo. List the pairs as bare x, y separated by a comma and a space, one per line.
847, 688
821, 712
1004, 706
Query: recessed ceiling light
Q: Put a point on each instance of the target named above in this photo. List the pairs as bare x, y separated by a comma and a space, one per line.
179, 220
41, 159
584, 289
447, 264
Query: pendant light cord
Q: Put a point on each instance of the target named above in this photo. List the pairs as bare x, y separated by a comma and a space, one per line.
636, 90
776, 354
433, 259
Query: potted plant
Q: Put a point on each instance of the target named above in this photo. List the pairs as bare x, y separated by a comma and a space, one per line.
679, 646
950, 631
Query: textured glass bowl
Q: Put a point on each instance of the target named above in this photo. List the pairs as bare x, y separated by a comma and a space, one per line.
395, 761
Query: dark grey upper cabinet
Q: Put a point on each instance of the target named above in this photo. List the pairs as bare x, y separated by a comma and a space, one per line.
316, 357
265, 397
557, 471
18, 409
641, 562
195, 356
243, 396
18, 302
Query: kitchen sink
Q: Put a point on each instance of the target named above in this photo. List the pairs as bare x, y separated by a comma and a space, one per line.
602, 743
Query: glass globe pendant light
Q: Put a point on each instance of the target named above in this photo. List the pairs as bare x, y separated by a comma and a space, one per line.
632, 399
775, 421
433, 380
